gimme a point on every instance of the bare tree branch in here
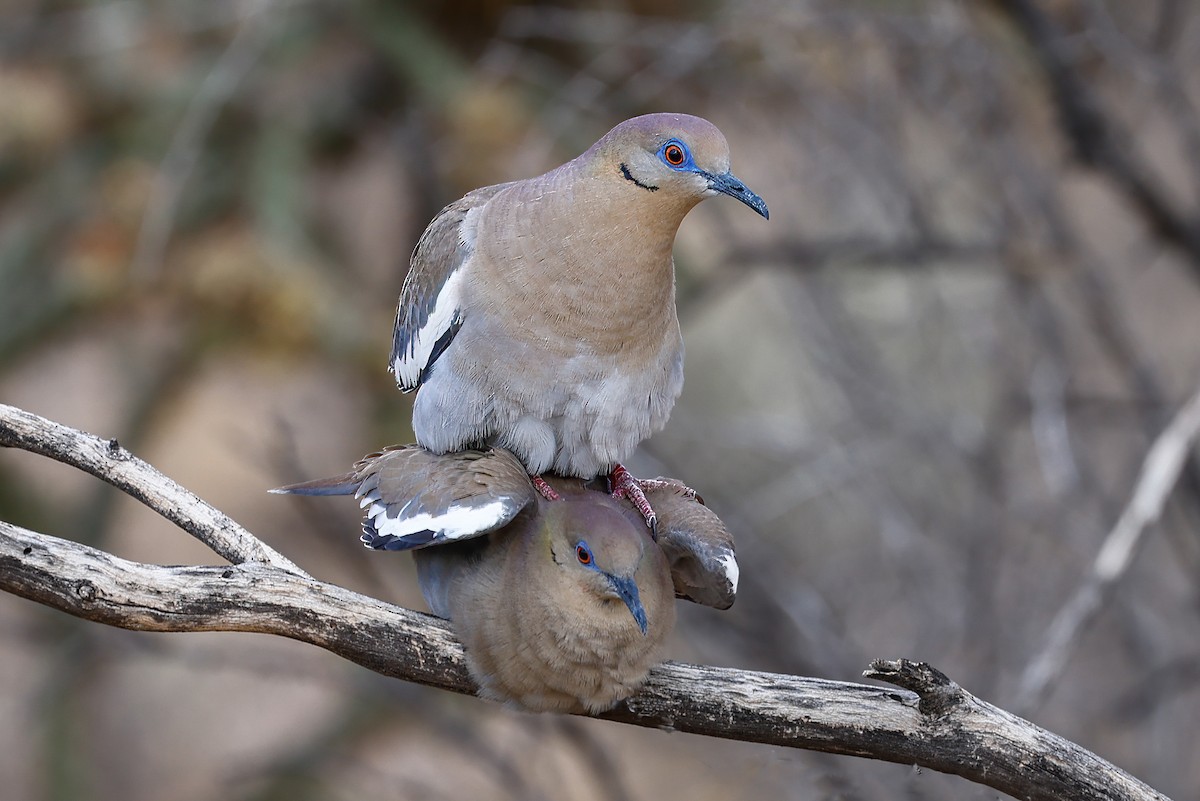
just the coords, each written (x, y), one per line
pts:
(932, 722)
(253, 596)
(1160, 472)
(107, 460)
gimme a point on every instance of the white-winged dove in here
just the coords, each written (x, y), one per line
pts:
(562, 606)
(539, 315)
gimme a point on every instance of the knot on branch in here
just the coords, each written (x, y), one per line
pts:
(937, 694)
(85, 590)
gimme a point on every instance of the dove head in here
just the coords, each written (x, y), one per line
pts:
(615, 574)
(678, 158)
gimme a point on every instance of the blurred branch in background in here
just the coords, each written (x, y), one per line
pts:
(940, 727)
(244, 48)
(1097, 138)
(1159, 474)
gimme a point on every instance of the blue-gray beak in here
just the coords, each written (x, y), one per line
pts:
(627, 591)
(729, 184)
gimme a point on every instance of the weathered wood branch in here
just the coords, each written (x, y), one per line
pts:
(108, 461)
(932, 722)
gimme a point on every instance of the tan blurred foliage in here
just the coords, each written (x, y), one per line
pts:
(919, 395)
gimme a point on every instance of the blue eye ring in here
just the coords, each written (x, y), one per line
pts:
(584, 554)
(675, 155)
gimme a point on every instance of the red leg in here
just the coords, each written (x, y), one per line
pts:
(626, 486)
(544, 489)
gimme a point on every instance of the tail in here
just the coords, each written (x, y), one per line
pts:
(338, 485)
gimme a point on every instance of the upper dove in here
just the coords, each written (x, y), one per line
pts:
(539, 315)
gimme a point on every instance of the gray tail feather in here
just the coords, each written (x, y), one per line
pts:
(338, 485)
(436, 572)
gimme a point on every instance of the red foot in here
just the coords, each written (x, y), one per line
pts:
(544, 489)
(624, 485)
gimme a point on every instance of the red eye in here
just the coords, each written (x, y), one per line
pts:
(583, 554)
(674, 155)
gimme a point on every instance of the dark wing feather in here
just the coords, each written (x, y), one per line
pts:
(428, 315)
(413, 498)
(699, 548)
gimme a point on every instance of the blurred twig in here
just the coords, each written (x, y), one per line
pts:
(1160, 471)
(937, 724)
(1163, 685)
(184, 151)
(1096, 137)
(916, 253)
(1154, 70)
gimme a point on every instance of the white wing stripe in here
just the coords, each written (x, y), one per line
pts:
(456, 523)
(413, 359)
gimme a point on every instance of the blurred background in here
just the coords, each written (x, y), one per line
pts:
(920, 395)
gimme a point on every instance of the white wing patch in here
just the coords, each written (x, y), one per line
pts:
(455, 523)
(409, 364)
(731, 569)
